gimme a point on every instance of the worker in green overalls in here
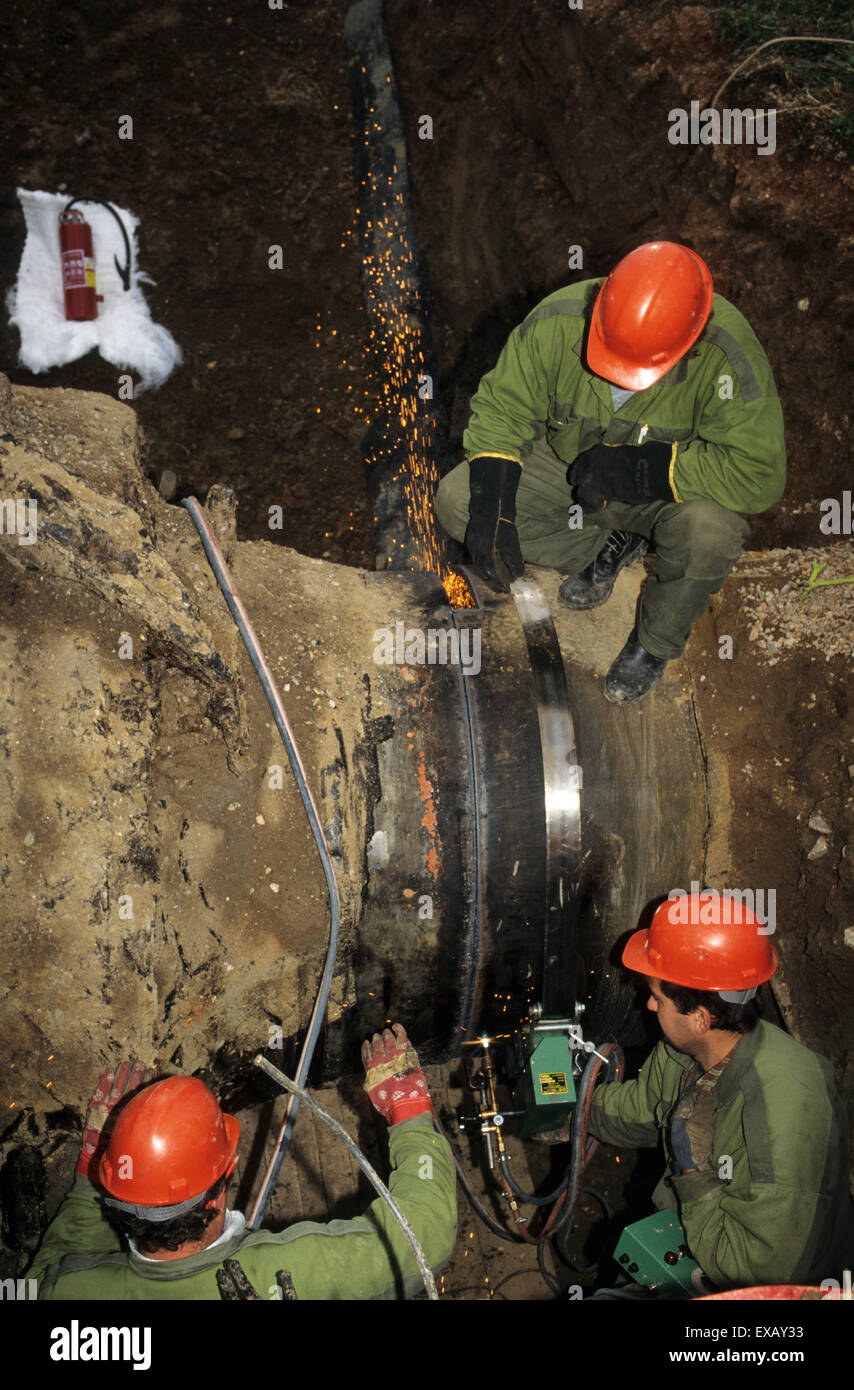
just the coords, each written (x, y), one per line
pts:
(639, 412)
(754, 1130)
(147, 1218)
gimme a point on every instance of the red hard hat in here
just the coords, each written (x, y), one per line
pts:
(704, 941)
(169, 1144)
(649, 312)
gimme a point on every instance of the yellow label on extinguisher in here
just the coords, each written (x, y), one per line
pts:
(90, 274)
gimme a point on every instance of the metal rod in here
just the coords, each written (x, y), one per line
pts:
(562, 804)
(474, 947)
(274, 699)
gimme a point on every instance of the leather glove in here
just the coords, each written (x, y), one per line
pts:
(394, 1081)
(491, 538)
(112, 1087)
(621, 473)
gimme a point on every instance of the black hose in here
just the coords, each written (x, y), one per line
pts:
(582, 1151)
(477, 1206)
(570, 1226)
(565, 1196)
(541, 1262)
(504, 1164)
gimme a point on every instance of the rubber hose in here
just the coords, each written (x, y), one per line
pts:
(371, 1173)
(504, 1164)
(553, 1287)
(476, 1204)
(568, 1194)
(612, 1054)
(570, 1226)
(582, 1151)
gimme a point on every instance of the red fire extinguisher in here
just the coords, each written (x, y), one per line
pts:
(78, 266)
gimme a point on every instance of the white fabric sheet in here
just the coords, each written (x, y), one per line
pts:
(124, 332)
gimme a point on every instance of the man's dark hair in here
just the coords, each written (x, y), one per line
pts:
(151, 1236)
(590, 296)
(731, 1018)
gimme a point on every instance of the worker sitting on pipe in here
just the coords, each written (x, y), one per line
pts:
(156, 1159)
(621, 414)
(754, 1130)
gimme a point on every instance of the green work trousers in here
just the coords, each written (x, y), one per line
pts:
(696, 543)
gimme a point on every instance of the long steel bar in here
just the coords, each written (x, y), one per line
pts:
(562, 787)
(475, 946)
(253, 647)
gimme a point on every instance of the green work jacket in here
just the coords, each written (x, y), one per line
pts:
(775, 1207)
(718, 404)
(82, 1257)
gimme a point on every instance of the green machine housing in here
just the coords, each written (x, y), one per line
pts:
(545, 1090)
(654, 1253)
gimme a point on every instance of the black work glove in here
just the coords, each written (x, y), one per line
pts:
(491, 538)
(621, 473)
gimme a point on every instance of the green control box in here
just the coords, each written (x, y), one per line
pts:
(545, 1090)
(654, 1253)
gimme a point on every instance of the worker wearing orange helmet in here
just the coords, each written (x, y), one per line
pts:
(754, 1130)
(631, 413)
(147, 1217)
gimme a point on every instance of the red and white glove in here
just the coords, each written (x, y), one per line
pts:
(394, 1081)
(112, 1087)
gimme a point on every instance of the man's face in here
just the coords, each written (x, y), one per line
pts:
(679, 1029)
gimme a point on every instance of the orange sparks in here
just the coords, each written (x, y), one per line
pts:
(458, 591)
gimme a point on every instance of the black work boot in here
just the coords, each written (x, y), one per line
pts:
(593, 585)
(633, 674)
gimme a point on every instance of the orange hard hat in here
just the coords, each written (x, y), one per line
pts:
(649, 312)
(706, 941)
(169, 1144)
